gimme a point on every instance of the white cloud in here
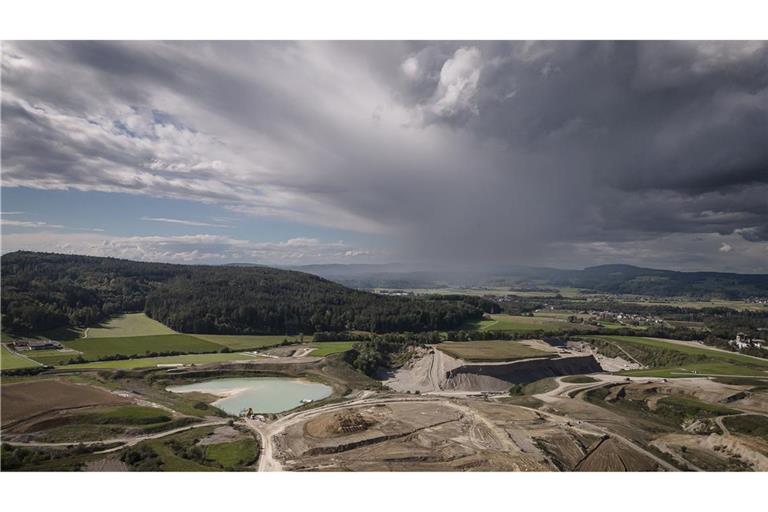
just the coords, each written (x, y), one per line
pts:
(459, 78)
(724, 247)
(200, 248)
(184, 222)
(30, 224)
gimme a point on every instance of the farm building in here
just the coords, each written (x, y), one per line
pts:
(37, 345)
(743, 341)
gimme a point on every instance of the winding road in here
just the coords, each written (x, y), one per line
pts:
(124, 441)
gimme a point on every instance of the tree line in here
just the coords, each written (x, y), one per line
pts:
(45, 291)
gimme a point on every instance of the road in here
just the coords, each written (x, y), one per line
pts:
(125, 441)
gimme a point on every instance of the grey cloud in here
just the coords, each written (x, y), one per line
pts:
(490, 151)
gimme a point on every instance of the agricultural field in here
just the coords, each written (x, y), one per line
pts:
(149, 362)
(683, 359)
(525, 324)
(327, 348)
(128, 325)
(53, 357)
(10, 360)
(738, 305)
(94, 349)
(245, 342)
(488, 351)
(25, 399)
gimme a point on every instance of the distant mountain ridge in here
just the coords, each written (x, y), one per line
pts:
(612, 278)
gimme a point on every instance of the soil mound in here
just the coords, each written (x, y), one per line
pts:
(437, 371)
(338, 424)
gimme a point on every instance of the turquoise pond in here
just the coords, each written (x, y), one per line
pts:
(262, 394)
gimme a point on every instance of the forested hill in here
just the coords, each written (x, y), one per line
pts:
(44, 291)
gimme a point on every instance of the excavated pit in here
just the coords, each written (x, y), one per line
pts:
(432, 370)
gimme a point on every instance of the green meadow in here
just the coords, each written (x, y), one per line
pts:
(94, 349)
(9, 360)
(150, 362)
(695, 361)
(128, 325)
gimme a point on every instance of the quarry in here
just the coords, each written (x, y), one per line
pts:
(527, 405)
(433, 370)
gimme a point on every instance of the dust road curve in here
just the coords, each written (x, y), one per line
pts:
(125, 441)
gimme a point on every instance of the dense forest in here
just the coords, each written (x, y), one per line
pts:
(44, 291)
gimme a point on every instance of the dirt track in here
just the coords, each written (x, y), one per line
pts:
(125, 441)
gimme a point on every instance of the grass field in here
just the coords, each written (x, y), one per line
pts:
(704, 361)
(578, 379)
(233, 454)
(238, 342)
(9, 360)
(701, 304)
(125, 415)
(53, 357)
(93, 349)
(150, 362)
(128, 325)
(751, 424)
(327, 348)
(93, 424)
(173, 462)
(525, 324)
(488, 351)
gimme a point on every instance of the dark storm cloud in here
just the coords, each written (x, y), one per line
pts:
(557, 152)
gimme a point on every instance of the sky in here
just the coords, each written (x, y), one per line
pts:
(564, 154)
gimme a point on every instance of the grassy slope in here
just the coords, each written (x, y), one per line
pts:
(327, 348)
(244, 342)
(751, 424)
(171, 461)
(716, 362)
(233, 454)
(148, 362)
(129, 325)
(525, 324)
(98, 348)
(487, 351)
(12, 361)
